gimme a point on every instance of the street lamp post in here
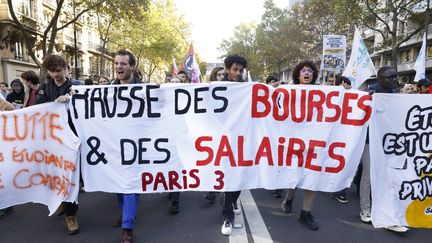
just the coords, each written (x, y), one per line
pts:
(427, 23)
(75, 45)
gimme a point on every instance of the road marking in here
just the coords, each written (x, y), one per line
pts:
(255, 221)
(239, 235)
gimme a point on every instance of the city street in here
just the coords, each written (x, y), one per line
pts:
(200, 221)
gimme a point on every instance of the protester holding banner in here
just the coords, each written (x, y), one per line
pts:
(124, 64)
(387, 82)
(234, 67)
(58, 89)
(6, 106)
(304, 72)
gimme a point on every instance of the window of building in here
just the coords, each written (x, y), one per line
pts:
(19, 50)
(429, 52)
(406, 56)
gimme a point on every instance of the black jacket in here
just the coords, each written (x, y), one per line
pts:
(49, 91)
(14, 97)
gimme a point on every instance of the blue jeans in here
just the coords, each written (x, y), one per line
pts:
(128, 203)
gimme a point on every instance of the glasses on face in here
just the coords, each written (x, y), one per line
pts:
(392, 77)
(304, 71)
(15, 86)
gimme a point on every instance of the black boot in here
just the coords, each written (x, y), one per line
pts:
(287, 205)
(307, 220)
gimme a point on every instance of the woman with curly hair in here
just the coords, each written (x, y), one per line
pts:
(304, 72)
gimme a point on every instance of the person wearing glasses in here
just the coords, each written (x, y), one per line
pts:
(16, 97)
(387, 78)
(304, 73)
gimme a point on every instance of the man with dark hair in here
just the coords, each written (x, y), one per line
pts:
(234, 66)
(124, 65)
(31, 81)
(423, 86)
(386, 83)
(183, 77)
(274, 82)
(58, 89)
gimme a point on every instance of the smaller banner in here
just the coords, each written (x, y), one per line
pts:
(334, 53)
(38, 157)
(360, 66)
(401, 160)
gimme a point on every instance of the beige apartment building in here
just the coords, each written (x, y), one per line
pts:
(35, 15)
(409, 50)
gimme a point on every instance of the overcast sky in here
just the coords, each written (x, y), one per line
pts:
(212, 21)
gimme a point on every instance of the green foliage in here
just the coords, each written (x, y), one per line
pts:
(285, 37)
(155, 38)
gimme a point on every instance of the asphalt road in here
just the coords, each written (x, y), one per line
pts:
(200, 221)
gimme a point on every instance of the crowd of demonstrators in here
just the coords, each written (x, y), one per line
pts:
(304, 73)
(58, 88)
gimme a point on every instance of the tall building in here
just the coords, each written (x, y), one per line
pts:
(35, 16)
(408, 51)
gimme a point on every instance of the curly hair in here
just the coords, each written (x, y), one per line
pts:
(52, 62)
(299, 66)
(234, 58)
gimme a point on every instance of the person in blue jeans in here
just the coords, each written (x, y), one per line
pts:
(124, 65)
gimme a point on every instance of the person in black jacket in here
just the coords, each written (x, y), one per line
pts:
(58, 89)
(234, 67)
(124, 65)
(17, 96)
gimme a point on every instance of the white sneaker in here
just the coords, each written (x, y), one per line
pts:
(365, 216)
(226, 228)
(399, 229)
(236, 210)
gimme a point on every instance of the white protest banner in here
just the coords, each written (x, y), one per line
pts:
(360, 66)
(420, 64)
(222, 136)
(334, 53)
(38, 157)
(401, 160)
